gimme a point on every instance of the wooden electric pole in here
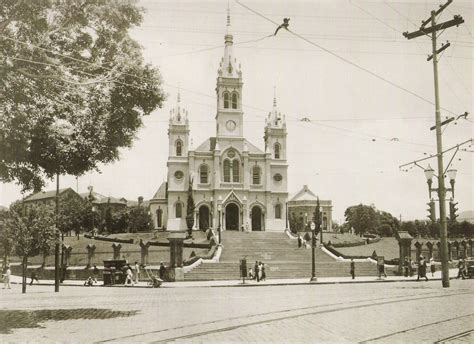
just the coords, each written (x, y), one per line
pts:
(433, 29)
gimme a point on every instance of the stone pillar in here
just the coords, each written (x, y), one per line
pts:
(456, 248)
(464, 249)
(90, 254)
(404, 243)
(67, 254)
(418, 247)
(430, 249)
(144, 252)
(116, 247)
(176, 254)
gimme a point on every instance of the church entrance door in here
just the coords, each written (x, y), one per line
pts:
(203, 217)
(256, 219)
(232, 217)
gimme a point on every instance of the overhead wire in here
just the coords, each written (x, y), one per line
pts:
(200, 93)
(374, 74)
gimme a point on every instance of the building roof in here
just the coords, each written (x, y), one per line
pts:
(43, 195)
(96, 195)
(161, 192)
(305, 194)
(210, 145)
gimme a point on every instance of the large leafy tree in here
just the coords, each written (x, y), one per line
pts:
(33, 231)
(139, 219)
(362, 218)
(6, 239)
(73, 86)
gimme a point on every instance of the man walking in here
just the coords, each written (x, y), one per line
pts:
(352, 268)
(256, 268)
(34, 277)
(137, 272)
(6, 278)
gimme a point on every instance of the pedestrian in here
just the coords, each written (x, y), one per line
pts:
(34, 277)
(405, 267)
(300, 241)
(6, 278)
(162, 271)
(64, 273)
(432, 266)
(137, 272)
(412, 267)
(89, 282)
(251, 275)
(381, 266)
(257, 271)
(353, 268)
(129, 276)
(422, 269)
(461, 265)
(95, 273)
(264, 275)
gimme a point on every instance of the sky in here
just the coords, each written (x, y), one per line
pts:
(366, 91)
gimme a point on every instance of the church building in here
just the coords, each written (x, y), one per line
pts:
(234, 184)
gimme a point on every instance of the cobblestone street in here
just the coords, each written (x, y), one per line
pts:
(381, 312)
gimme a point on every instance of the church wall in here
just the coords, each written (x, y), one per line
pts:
(154, 206)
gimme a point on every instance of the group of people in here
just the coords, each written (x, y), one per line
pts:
(302, 242)
(462, 269)
(258, 272)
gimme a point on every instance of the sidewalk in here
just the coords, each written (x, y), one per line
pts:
(252, 283)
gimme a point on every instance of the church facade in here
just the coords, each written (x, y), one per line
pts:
(234, 184)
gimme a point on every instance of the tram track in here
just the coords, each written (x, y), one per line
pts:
(279, 315)
(454, 337)
(422, 326)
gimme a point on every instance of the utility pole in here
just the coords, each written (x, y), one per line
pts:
(439, 144)
(56, 246)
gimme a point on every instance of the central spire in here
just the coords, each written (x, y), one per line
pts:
(228, 66)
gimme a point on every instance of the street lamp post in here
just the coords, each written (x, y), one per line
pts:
(441, 190)
(219, 209)
(313, 247)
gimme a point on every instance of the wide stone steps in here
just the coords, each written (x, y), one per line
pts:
(282, 258)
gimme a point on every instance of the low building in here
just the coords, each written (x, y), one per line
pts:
(49, 197)
(302, 205)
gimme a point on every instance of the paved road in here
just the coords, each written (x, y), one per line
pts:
(381, 312)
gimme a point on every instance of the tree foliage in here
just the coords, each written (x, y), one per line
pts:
(139, 219)
(367, 219)
(190, 208)
(33, 232)
(74, 86)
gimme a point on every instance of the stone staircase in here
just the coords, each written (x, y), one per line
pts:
(281, 255)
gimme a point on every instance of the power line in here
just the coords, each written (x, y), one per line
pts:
(349, 61)
(200, 93)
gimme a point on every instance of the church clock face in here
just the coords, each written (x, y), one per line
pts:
(230, 125)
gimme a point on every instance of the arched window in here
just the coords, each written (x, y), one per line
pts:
(203, 174)
(226, 100)
(276, 149)
(235, 171)
(159, 218)
(235, 97)
(256, 175)
(178, 210)
(179, 148)
(278, 211)
(227, 171)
